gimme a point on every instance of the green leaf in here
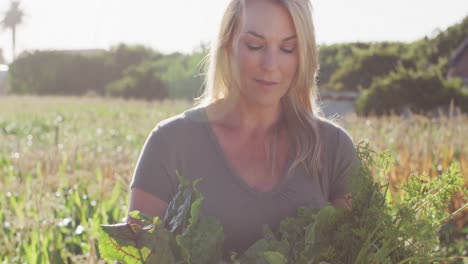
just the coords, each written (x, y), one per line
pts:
(178, 210)
(255, 254)
(143, 218)
(294, 230)
(202, 240)
(157, 241)
(129, 243)
(273, 257)
(118, 242)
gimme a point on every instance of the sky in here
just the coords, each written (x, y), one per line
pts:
(181, 25)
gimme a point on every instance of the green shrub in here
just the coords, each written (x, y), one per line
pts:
(360, 70)
(54, 72)
(332, 56)
(139, 81)
(418, 91)
(182, 74)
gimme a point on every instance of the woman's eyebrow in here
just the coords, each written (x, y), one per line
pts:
(251, 32)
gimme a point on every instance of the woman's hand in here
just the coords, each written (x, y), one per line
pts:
(343, 202)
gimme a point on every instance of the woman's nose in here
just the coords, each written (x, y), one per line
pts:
(269, 60)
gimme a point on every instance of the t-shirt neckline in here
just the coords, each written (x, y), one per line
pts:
(277, 189)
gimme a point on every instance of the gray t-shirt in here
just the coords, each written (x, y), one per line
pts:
(187, 143)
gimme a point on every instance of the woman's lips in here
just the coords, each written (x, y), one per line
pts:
(266, 83)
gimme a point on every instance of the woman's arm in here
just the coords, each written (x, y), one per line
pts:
(145, 203)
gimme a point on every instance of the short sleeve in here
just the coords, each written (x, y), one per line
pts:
(155, 172)
(344, 161)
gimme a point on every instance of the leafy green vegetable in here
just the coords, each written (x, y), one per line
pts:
(130, 243)
(178, 210)
(262, 252)
(202, 240)
(187, 236)
(375, 230)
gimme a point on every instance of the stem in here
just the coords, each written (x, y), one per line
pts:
(385, 193)
(456, 212)
(367, 245)
(56, 135)
(141, 256)
(429, 259)
(428, 199)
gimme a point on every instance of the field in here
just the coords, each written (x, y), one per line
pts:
(66, 163)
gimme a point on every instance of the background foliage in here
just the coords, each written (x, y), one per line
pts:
(413, 73)
(66, 164)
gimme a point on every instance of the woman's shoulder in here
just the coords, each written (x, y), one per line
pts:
(336, 141)
(331, 131)
(182, 123)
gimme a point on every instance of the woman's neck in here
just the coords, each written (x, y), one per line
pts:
(246, 118)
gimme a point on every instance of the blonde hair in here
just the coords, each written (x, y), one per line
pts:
(301, 112)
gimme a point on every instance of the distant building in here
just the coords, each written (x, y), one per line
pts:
(458, 65)
(337, 104)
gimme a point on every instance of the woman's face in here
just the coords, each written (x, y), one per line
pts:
(265, 51)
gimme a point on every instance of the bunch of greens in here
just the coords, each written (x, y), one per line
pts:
(375, 230)
(185, 235)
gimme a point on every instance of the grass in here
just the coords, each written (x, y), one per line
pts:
(66, 163)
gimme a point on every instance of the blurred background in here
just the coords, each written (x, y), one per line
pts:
(82, 83)
(167, 27)
(152, 49)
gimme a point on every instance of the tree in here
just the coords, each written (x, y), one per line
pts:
(414, 90)
(2, 60)
(362, 66)
(13, 17)
(140, 81)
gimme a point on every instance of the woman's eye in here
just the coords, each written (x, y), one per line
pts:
(253, 47)
(288, 50)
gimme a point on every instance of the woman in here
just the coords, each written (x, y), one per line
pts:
(255, 137)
